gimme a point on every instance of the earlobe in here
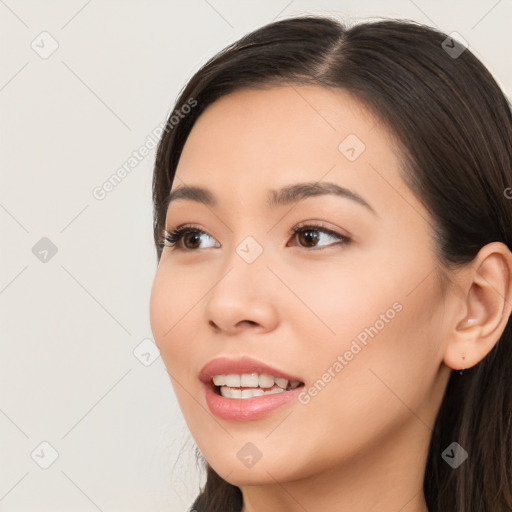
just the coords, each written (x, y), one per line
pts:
(486, 302)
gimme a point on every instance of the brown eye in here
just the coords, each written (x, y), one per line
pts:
(192, 239)
(310, 235)
(190, 236)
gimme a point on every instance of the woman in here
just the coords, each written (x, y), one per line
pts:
(333, 226)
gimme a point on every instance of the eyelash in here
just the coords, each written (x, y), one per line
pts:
(174, 237)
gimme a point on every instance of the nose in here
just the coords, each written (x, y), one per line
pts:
(243, 298)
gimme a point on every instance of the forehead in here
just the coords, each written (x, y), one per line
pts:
(288, 120)
(252, 141)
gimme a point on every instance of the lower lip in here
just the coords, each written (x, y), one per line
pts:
(247, 409)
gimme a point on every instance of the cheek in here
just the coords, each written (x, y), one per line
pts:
(391, 343)
(160, 307)
(374, 394)
(171, 300)
(385, 328)
(336, 300)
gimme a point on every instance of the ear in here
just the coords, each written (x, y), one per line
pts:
(484, 309)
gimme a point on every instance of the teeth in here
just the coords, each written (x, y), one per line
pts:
(233, 381)
(219, 380)
(250, 380)
(254, 385)
(266, 381)
(282, 383)
(249, 393)
(235, 393)
(228, 392)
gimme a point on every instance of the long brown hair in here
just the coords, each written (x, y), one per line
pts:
(454, 128)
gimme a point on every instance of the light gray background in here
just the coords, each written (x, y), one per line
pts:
(71, 326)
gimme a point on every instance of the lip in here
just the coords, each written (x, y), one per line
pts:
(246, 409)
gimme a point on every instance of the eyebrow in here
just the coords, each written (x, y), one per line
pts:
(283, 196)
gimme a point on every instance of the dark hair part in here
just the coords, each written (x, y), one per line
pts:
(453, 130)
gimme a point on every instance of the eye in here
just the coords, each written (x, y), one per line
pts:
(309, 236)
(187, 233)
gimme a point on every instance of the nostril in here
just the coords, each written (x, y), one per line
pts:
(251, 322)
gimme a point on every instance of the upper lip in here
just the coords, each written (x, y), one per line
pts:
(239, 366)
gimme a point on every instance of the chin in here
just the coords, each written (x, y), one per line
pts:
(264, 472)
(252, 476)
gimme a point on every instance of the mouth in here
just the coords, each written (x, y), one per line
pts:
(244, 389)
(250, 385)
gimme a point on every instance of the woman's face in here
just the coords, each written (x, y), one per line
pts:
(350, 306)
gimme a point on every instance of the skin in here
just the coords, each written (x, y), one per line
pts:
(361, 443)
